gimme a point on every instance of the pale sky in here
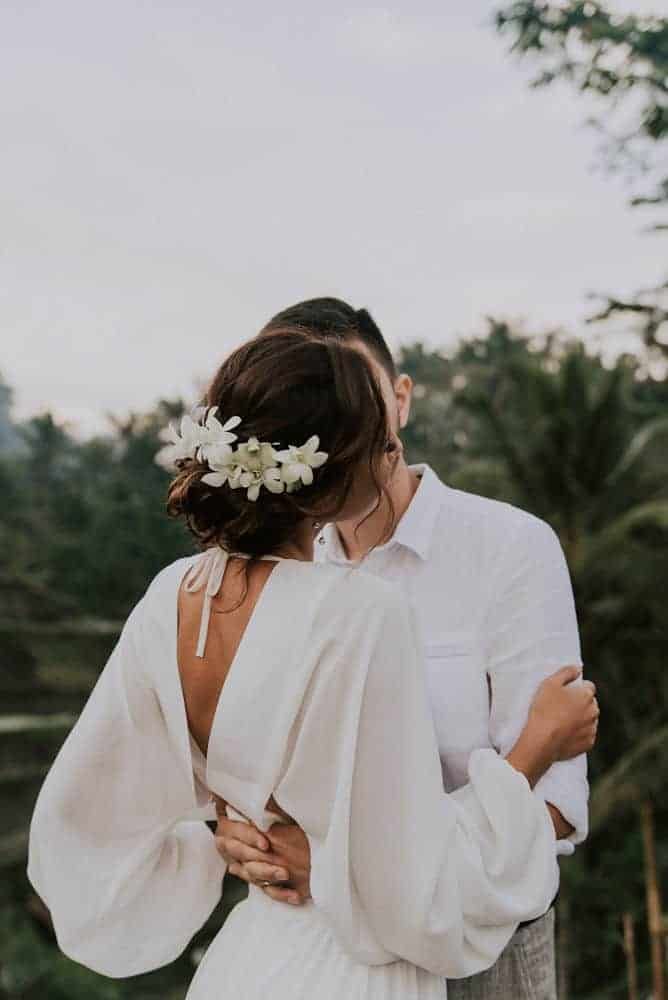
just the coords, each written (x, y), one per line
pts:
(172, 174)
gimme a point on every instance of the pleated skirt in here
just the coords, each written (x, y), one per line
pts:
(268, 950)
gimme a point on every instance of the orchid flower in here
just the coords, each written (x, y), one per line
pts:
(297, 464)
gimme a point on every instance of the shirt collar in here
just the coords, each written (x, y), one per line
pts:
(415, 530)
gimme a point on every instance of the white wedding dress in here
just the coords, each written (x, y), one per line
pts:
(325, 708)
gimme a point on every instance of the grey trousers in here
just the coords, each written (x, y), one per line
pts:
(525, 970)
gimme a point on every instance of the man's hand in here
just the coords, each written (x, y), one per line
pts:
(281, 856)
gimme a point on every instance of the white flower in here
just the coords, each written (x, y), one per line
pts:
(272, 480)
(297, 464)
(257, 467)
(216, 438)
(222, 463)
(183, 445)
(255, 456)
(250, 466)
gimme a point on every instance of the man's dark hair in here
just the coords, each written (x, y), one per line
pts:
(329, 317)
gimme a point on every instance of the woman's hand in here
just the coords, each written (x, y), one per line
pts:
(568, 712)
(562, 723)
(281, 856)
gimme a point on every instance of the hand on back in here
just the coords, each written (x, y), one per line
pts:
(280, 857)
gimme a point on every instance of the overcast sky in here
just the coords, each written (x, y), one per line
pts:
(172, 174)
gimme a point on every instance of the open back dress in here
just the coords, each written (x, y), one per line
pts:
(324, 708)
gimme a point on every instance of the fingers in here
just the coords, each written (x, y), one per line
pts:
(236, 850)
(594, 712)
(588, 736)
(565, 675)
(283, 895)
(239, 870)
(258, 872)
(246, 833)
(253, 874)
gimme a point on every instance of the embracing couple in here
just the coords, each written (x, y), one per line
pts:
(370, 679)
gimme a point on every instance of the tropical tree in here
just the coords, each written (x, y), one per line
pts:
(621, 61)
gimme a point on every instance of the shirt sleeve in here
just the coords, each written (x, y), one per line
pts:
(401, 869)
(532, 631)
(118, 850)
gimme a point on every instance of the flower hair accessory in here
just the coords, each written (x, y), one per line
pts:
(250, 465)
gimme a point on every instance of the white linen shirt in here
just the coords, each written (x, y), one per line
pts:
(490, 589)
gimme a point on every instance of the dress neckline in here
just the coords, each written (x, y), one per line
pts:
(209, 572)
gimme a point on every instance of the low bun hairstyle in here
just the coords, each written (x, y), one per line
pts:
(286, 387)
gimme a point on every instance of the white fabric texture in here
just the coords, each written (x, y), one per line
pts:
(490, 589)
(325, 707)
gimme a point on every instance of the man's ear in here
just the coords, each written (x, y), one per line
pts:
(403, 390)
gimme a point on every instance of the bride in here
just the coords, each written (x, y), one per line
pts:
(294, 691)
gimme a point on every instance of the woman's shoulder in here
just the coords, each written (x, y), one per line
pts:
(160, 591)
(163, 582)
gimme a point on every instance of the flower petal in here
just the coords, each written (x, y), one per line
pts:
(215, 478)
(272, 480)
(231, 423)
(168, 434)
(165, 457)
(253, 491)
(307, 475)
(291, 472)
(217, 455)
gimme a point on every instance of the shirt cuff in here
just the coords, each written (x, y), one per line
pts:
(571, 799)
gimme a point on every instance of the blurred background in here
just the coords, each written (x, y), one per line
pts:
(491, 181)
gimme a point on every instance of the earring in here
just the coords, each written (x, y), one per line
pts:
(317, 525)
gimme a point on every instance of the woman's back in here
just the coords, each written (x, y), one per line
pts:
(321, 703)
(202, 678)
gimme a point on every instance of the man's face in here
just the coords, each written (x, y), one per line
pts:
(363, 497)
(387, 388)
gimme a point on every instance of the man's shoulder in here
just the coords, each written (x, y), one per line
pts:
(498, 515)
(499, 525)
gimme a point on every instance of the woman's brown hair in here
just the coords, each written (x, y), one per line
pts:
(286, 387)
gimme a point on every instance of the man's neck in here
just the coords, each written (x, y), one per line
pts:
(402, 489)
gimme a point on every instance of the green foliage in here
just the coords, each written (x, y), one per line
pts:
(86, 523)
(622, 61)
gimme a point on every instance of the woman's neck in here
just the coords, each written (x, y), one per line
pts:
(300, 545)
(373, 531)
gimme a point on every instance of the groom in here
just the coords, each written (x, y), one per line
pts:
(491, 591)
